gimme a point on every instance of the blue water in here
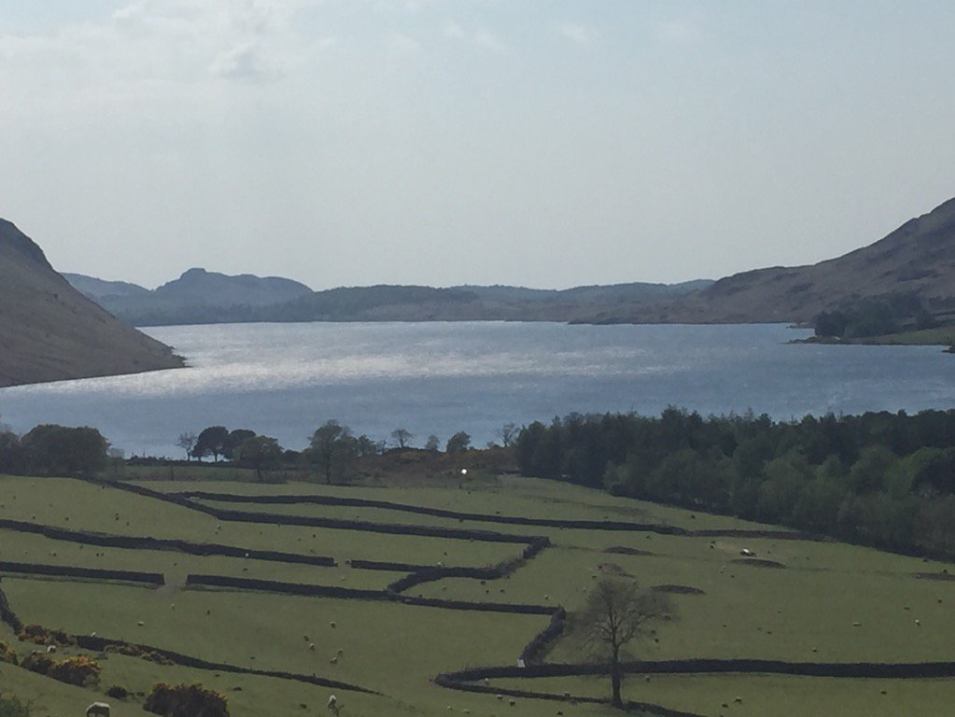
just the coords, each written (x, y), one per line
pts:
(284, 380)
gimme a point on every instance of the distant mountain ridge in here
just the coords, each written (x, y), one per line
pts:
(200, 297)
(49, 331)
(916, 260)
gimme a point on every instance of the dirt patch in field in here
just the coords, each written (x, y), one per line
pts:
(613, 569)
(759, 563)
(678, 590)
(622, 550)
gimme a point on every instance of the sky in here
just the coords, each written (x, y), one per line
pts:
(544, 143)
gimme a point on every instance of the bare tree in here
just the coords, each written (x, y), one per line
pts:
(616, 613)
(187, 441)
(402, 437)
(508, 433)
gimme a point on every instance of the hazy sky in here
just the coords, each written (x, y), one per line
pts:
(546, 143)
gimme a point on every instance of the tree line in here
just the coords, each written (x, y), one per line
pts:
(332, 452)
(880, 479)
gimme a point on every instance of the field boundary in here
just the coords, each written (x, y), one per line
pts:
(603, 525)
(108, 540)
(239, 516)
(69, 571)
(841, 670)
(194, 581)
(7, 615)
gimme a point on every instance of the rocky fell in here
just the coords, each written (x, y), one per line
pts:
(49, 331)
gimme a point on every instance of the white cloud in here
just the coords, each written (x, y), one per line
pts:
(580, 34)
(679, 32)
(452, 29)
(403, 44)
(489, 41)
(165, 40)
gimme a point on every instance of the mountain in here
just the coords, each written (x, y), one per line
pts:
(196, 297)
(49, 331)
(204, 297)
(916, 261)
(201, 287)
(97, 289)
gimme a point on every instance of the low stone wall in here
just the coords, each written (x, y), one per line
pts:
(99, 644)
(7, 615)
(610, 525)
(535, 650)
(130, 542)
(275, 586)
(131, 576)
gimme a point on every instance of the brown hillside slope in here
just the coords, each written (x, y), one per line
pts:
(918, 258)
(49, 331)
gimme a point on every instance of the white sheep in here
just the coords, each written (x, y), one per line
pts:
(98, 708)
(333, 705)
(51, 649)
(311, 646)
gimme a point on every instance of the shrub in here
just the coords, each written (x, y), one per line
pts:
(185, 701)
(78, 670)
(135, 651)
(117, 692)
(44, 636)
(7, 654)
(12, 707)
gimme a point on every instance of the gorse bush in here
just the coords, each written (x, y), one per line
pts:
(79, 670)
(8, 654)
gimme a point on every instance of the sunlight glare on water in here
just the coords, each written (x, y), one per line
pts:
(285, 380)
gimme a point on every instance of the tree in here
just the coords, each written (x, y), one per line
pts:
(402, 437)
(508, 433)
(187, 442)
(432, 443)
(260, 453)
(211, 440)
(235, 439)
(617, 613)
(458, 443)
(365, 446)
(56, 450)
(333, 449)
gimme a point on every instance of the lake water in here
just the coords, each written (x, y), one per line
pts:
(284, 380)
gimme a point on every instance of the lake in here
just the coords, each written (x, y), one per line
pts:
(284, 380)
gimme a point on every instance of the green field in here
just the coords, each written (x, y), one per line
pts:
(828, 602)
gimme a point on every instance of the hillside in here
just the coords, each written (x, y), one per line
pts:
(50, 332)
(916, 260)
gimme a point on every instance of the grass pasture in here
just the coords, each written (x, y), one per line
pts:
(817, 602)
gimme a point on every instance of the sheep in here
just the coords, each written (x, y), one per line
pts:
(746, 552)
(311, 646)
(333, 624)
(98, 708)
(51, 649)
(333, 705)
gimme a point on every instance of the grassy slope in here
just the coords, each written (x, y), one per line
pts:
(746, 611)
